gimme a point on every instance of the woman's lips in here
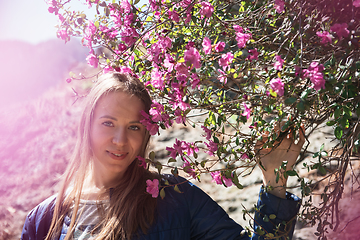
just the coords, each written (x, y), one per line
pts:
(117, 155)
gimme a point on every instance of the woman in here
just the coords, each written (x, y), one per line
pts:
(103, 192)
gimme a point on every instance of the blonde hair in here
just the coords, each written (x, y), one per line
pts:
(131, 208)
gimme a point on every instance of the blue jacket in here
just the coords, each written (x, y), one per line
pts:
(191, 214)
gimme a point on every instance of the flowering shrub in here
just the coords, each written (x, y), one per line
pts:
(241, 63)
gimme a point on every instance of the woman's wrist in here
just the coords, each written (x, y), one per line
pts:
(277, 188)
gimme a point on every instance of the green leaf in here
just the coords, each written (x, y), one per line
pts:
(272, 216)
(152, 155)
(301, 106)
(171, 160)
(330, 123)
(162, 193)
(266, 218)
(291, 173)
(176, 188)
(290, 100)
(322, 170)
(338, 132)
(175, 172)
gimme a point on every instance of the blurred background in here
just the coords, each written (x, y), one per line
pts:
(39, 115)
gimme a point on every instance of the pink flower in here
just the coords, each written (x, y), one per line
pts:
(340, 30)
(177, 148)
(63, 35)
(237, 28)
(206, 45)
(253, 54)
(277, 86)
(108, 69)
(219, 47)
(152, 187)
(314, 72)
(142, 161)
(190, 148)
(219, 179)
(247, 111)
(157, 79)
(195, 81)
(325, 37)
(152, 127)
(222, 77)
(212, 148)
(187, 168)
(279, 63)
(92, 60)
(356, 3)
(192, 57)
(174, 16)
(279, 6)
(207, 9)
(242, 38)
(225, 60)
(207, 132)
(180, 119)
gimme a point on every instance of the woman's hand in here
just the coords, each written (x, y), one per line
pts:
(285, 150)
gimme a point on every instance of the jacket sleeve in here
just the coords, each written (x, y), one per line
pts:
(210, 221)
(37, 222)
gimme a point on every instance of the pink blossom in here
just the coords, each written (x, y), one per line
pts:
(225, 60)
(212, 148)
(219, 179)
(278, 65)
(325, 37)
(242, 38)
(157, 79)
(108, 69)
(169, 62)
(279, 6)
(180, 119)
(63, 35)
(340, 30)
(177, 148)
(277, 86)
(190, 148)
(195, 81)
(152, 187)
(247, 111)
(122, 47)
(92, 60)
(206, 45)
(207, 9)
(314, 72)
(188, 169)
(237, 28)
(192, 57)
(219, 47)
(156, 111)
(207, 132)
(173, 15)
(152, 127)
(253, 54)
(356, 3)
(222, 77)
(142, 161)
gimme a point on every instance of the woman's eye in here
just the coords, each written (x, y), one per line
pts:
(134, 128)
(108, 124)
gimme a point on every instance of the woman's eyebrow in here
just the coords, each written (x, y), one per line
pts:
(108, 116)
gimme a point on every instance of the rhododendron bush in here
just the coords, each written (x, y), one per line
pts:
(246, 65)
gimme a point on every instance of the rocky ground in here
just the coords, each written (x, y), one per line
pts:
(37, 136)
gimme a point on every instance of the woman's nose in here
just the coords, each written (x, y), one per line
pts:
(120, 137)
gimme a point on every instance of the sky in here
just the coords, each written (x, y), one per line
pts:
(29, 20)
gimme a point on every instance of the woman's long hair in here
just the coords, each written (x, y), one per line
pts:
(131, 208)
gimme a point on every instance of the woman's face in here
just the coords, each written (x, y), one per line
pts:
(116, 134)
